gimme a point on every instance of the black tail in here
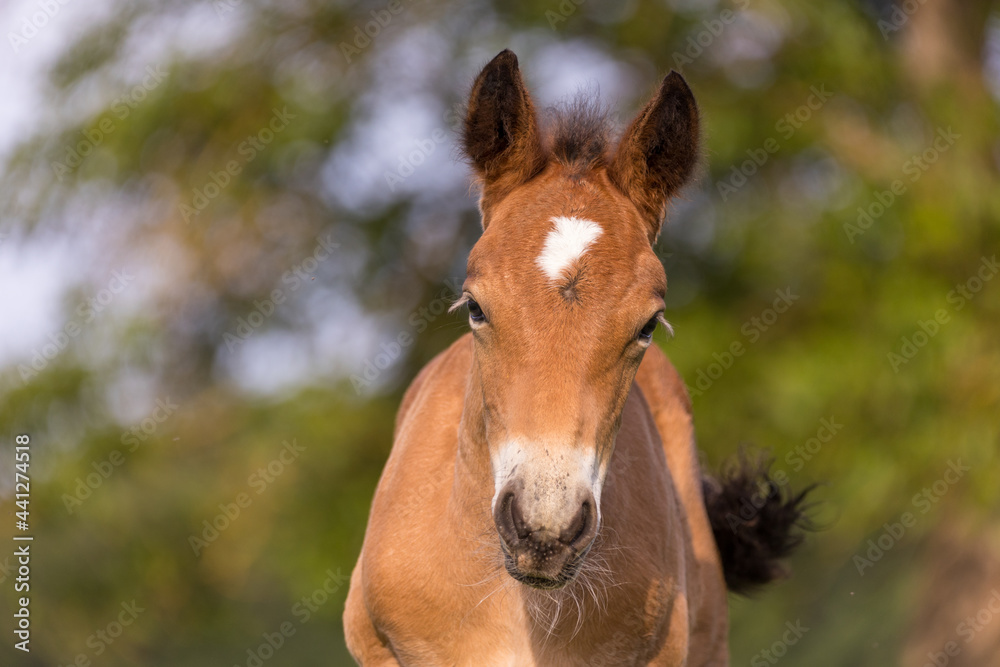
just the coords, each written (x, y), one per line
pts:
(756, 521)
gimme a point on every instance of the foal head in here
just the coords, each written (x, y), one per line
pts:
(563, 293)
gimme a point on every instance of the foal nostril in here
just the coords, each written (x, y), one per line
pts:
(510, 521)
(521, 537)
(581, 530)
(517, 519)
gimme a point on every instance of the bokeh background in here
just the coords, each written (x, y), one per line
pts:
(229, 230)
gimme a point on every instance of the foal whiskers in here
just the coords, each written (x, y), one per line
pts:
(583, 598)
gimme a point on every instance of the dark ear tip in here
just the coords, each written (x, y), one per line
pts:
(505, 57)
(674, 81)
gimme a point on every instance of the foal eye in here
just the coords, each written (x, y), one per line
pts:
(475, 312)
(646, 334)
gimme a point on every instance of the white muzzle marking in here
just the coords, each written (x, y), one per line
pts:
(549, 476)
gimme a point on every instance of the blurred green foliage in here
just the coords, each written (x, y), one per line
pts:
(812, 111)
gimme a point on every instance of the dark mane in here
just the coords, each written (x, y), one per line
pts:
(581, 131)
(507, 146)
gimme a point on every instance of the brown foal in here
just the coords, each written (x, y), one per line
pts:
(543, 502)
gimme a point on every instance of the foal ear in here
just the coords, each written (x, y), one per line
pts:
(501, 135)
(659, 151)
